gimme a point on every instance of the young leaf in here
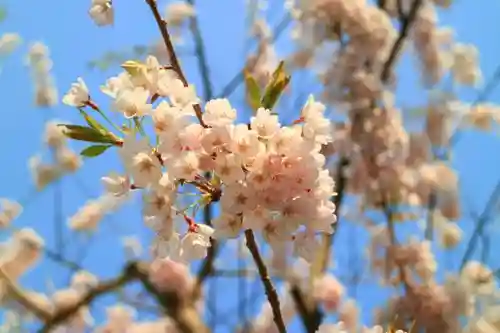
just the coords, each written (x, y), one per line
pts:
(252, 91)
(93, 151)
(275, 87)
(134, 67)
(88, 134)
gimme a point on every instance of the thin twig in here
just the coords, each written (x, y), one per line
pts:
(174, 61)
(101, 289)
(183, 314)
(480, 225)
(406, 23)
(272, 295)
(311, 316)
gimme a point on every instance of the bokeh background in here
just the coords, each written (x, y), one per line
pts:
(78, 48)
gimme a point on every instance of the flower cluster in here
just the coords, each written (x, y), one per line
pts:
(270, 178)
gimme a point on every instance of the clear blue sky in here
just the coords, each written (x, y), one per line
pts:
(74, 40)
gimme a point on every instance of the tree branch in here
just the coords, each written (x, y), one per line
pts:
(272, 295)
(181, 311)
(63, 314)
(406, 23)
(174, 61)
(311, 316)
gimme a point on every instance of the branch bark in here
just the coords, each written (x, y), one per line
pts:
(180, 310)
(406, 23)
(272, 295)
(174, 61)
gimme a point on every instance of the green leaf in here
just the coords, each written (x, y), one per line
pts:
(275, 87)
(252, 91)
(92, 122)
(93, 151)
(88, 134)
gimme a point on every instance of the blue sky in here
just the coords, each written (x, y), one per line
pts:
(74, 40)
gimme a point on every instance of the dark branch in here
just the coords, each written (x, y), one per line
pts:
(272, 295)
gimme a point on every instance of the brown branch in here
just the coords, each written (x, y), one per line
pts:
(272, 295)
(406, 23)
(63, 314)
(310, 313)
(174, 61)
(183, 314)
(431, 207)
